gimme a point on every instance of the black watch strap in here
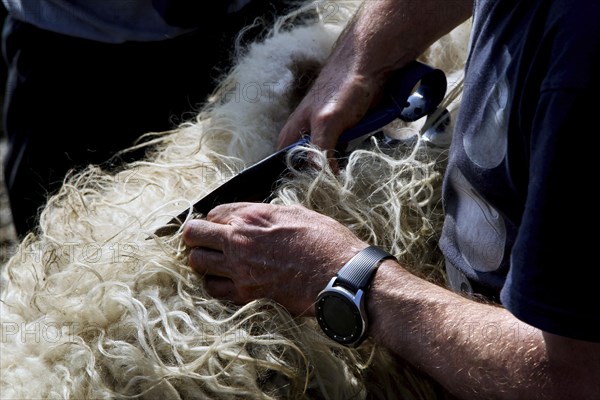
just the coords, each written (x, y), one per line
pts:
(358, 272)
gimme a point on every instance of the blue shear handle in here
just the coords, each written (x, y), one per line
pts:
(403, 100)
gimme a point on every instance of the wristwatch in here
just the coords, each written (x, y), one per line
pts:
(340, 307)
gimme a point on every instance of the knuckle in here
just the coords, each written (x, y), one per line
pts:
(323, 117)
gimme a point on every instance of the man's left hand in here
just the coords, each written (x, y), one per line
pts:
(247, 251)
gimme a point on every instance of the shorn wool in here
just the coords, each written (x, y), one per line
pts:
(91, 308)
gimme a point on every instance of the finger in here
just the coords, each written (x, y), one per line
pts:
(325, 141)
(327, 128)
(224, 213)
(209, 262)
(203, 233)
(295, 127)
(290, 136)
(240, 214)
(220, 288)
(328, 143)
(333, 164)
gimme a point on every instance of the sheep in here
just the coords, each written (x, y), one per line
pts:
(91, 308)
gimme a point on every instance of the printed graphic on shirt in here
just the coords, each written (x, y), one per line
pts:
(457, 281)
(486, 148)
(480, 229)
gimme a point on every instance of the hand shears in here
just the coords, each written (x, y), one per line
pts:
(413, 92)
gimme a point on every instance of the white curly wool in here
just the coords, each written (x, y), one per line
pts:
(92, 309)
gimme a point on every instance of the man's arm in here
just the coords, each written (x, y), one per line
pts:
(247, 251)
(477, 350)
(383, 37)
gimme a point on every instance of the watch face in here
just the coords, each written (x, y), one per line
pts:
(339, 317)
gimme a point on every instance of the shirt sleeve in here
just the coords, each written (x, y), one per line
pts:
(554, 276)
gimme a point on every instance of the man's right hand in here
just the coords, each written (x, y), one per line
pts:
(384, 36)
(337, 101)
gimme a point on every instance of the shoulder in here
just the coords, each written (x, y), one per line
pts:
(571, 43)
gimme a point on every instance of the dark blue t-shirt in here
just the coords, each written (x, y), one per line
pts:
(518, 190)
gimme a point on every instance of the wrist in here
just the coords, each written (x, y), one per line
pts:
(340, 307)
(398, 304)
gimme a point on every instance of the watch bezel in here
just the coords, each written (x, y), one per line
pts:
(355, 303)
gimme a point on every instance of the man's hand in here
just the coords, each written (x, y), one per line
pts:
(247, 251)
(337, 100)
(384, 36)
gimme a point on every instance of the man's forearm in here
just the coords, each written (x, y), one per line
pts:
(475, 350)
(387, 34)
